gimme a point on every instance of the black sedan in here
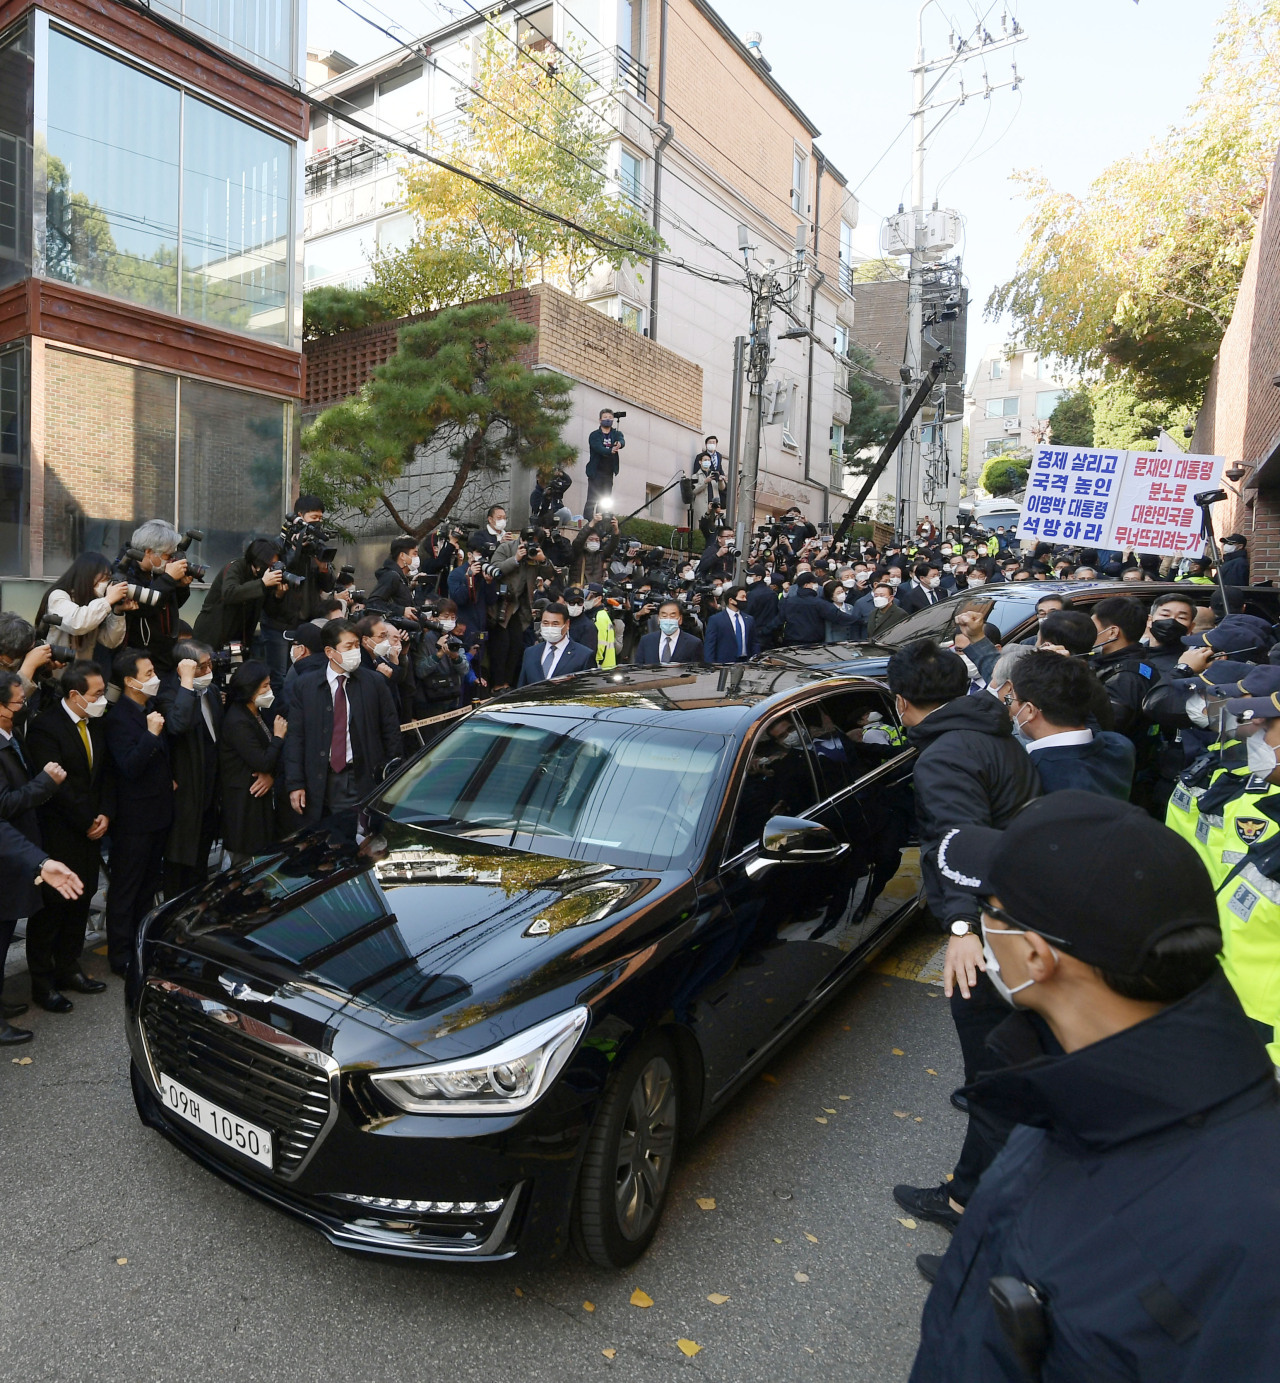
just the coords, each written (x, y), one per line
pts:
(579, 921)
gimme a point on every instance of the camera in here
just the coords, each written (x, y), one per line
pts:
(195, 570)
(454, 644)
(60, 653)
(347, 573)
(290, 578)
(226, 660)
(308, 539)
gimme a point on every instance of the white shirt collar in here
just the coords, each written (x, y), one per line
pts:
(1061, 740)
(75, 719)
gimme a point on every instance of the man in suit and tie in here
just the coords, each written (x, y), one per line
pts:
(72, 822)
(924, 589)
(555, 654)
(731, 633)
(670, 644)
(192, 710)
(343, 731)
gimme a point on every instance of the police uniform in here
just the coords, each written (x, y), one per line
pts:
(1249, 914)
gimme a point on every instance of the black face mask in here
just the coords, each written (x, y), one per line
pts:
(1167, 631)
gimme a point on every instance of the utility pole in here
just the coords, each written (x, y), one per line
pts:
(925, 236)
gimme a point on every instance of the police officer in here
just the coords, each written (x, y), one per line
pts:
(606, 645)
(582, 624)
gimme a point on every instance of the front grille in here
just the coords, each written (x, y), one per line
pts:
(205, 1046)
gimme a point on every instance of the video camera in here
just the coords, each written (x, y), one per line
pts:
(290, 578)
(196, 570)
(224, 661)
(59, 653)
(302, 539)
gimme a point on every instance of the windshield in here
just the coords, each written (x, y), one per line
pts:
(632, 795)
(938, 621)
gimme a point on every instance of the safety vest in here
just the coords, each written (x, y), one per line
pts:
(1197, 580)
(993, 546)
(1249, 915)
(1182, 816)
(606, 651)
(1210, 837)
(1243, 825)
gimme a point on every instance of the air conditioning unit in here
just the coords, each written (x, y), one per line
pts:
(1013, 424)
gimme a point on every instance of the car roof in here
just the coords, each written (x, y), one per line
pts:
(723, 699)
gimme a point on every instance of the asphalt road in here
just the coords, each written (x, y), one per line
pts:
(804, 1240)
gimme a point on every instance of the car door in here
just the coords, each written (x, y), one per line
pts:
(774, 907)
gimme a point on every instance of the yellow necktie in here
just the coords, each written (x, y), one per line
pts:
(83, 726)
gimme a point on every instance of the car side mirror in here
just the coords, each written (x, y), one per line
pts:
(391, 768)
(794, 840)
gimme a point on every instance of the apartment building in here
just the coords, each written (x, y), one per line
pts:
(1011, 396)
(150, 274)
(705, 139)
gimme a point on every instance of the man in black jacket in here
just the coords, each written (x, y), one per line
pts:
(603, 446)
(153, 624)
(192, 710)
(1235, 560)
(393, 589)
(139, 754)
(1129, 1226)
(234, 602)
(923, 590)
(72, 822)
(763, 606)
(970, 770)
(343, 730)
(807, 614)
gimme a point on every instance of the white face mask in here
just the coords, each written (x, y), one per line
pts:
(1197, 711)
(415, 566)
(100, 589)
(202, 683)
(838, 597)
(933, 582)
(552, 633)
(264, 699)
(1262, 756)
(879, 601)
(593, 547)
(447, 622)
(895, 581)
(498, 525)
(382, 649)
(993, 968)
(977, 581)
(350, 659)
(715, 590)
(574, 610)
(687, 575)
(94, 709)
(149, 687)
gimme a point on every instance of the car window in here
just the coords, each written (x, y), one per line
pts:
(851, 735)
(778, 782)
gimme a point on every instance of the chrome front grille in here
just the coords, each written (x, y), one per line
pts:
(255, 1070)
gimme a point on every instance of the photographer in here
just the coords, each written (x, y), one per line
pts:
(234, 602)
(192, 710)
(604, 444)
(795, 528)
(442, 670)
(393, 589)
(380, 652)
(717, 560)
(546, 502)
(153, 562)
(486, 539)
(87, 605)
(305, 552)
(20, 653)
(474, 592)
(711, 522)
(520, 561)
(592, 547)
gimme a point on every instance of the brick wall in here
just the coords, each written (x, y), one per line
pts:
(573, 339)
(1240, 418)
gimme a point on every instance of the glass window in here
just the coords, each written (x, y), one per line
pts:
(997, 446)
(1047, 400)
(778, 782)
(231, 452)
(797, 182)
(112, 201)
(235, 233)
(404, 101)
(851, 734)
(110, 452)
(346, 253)
(1002, 408)
(846, 257)
(631, 317)
(256, 29)
(631, 178)
(841, 341)
(15, 497)
(999, 369)
(16, 85)
(397, 232)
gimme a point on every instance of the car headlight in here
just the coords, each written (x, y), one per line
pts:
(503, 1080)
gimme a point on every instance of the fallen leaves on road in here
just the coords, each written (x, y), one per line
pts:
(718, 1298)
(122, 1261)
(777, 1241)
(846, 1097)
(519, 1293)
(906, 1224)
(899, 1113)
(802, 1277)
(818, 1119)
(22, 1061)
(825, 1110)
(609, 1353)
(773, 1080)
(588, 1306)
(897, 1051)
(812, 1238)
(951, 1176)
(918, 1120)
(688, 1348)
(642, 1299)
(706, 1202)
(930, 1071)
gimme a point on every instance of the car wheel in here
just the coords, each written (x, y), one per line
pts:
(630, 1153)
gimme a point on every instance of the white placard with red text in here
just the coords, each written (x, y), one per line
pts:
(1113, 499)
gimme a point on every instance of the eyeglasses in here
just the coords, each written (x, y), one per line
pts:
(1010, 921)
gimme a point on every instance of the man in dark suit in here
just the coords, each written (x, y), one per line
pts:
(72, 822)
(731, 633)
(192, 710)
(555, 654)
(924, 589)
(343, 730)
(139, 752)
(604, 444)
(670, 644)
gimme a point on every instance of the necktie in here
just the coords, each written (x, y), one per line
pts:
(17, 749)
(548, 659)
(83, 727)
(666, 649)
(338, 744)
(737, 629)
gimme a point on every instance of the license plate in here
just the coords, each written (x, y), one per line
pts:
(229, 1129)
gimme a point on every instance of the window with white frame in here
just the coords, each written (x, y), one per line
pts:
(631, 177)
(846, 256)
(1002, 408)
(837, 441)
(999, 368)
(1047, 400)
(841, 340)
(799, 171)
(998, 446)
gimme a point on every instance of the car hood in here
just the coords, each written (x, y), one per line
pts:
(416, 932)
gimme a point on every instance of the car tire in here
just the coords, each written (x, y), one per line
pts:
(626, 1170)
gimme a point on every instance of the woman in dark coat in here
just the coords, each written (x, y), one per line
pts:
(250, 750)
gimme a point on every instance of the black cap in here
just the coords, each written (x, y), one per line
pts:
(1096, 876)
(309, 636)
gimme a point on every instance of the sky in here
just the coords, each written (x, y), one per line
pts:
(1101, 79)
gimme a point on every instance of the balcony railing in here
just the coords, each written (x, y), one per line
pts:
(349, 161)
(609, 65)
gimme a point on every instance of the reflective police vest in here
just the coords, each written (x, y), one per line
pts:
(606, 650)
(1245, 824)
(1183, 812)
(1227, 787)
(1249, 915)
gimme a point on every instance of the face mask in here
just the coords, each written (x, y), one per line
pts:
(879, 601)
(1018, 732)
(993, 968)
(668, 626)
(860, 577)
(202, 683)
(382, 648)
(552, 633)
(94, 709)
(977, 581)
(946, 552)
(264, 699)
(838, 597)
(687, 575)
(933, 582)
(1167, 631)
(1197, 711)
(350, 659)
(448, 623)
(575, 610)
(149, 687)
(100, 589)
(895, 581)
(593, 547)
(414, 566)
(499, 525)
(1262, 756)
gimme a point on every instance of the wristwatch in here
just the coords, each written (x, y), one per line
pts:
(961, 928)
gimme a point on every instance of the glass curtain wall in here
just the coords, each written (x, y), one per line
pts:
(15, 495)
(260, 30)
(17, 72)
(143, 178)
